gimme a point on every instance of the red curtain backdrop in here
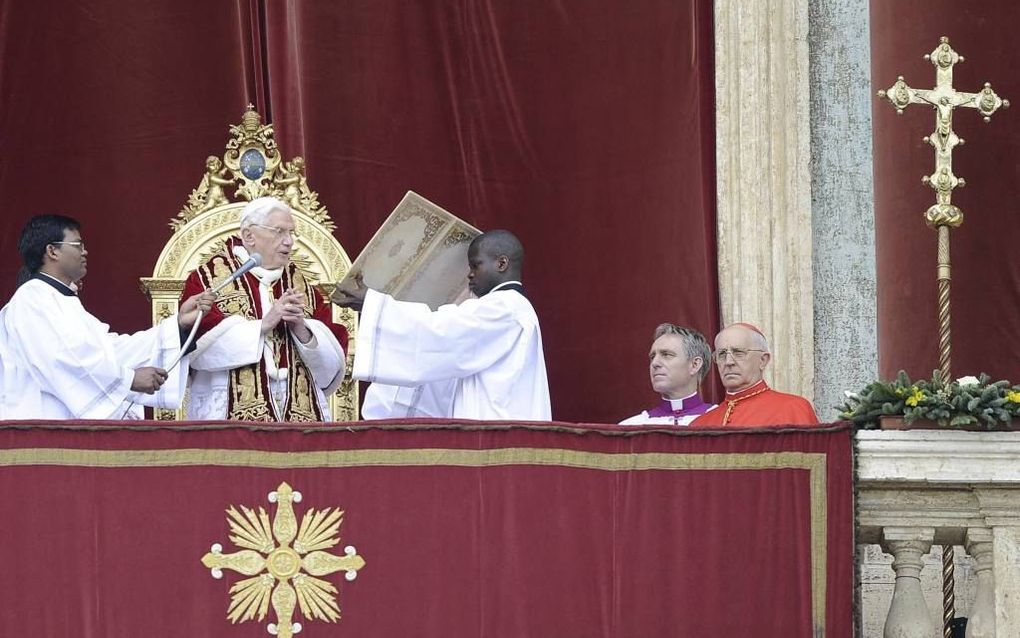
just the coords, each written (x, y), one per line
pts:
(107, 112)
(986, 270)
(587, 129)
(465, 531)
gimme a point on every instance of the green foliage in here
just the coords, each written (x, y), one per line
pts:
(965, 402)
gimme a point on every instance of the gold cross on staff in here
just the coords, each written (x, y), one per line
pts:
(943, 215)
(944, 99)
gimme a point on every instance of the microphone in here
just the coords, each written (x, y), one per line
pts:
(254, 260)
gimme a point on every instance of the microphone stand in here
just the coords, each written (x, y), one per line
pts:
(194, 328)
(254, 260)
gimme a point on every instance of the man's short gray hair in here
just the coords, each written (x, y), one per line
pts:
(257, 211)
(695, 345)
(757, 336)
(760, 340)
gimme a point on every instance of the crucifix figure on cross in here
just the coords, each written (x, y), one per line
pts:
(944, 99)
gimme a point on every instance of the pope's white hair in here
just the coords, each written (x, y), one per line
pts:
(257, 211)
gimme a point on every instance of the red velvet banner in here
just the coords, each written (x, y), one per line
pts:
(464, 530)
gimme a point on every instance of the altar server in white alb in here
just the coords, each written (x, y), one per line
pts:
(481, 359)
(57, 361)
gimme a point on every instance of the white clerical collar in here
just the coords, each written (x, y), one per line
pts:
(72, 290)
(506, 284)
(678, 404)
(265, 276)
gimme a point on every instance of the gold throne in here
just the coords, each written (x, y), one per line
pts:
(252, 167)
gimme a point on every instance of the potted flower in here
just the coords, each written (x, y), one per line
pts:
(972, 403)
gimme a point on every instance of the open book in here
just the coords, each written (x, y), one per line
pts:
(418, 254)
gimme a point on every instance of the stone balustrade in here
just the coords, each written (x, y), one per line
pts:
(923, 488)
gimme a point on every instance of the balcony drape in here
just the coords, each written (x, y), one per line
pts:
(467, 529)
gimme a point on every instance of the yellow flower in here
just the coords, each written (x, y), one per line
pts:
(915, 397)
(1013, 396)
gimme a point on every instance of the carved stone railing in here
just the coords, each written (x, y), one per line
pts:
(921, 488)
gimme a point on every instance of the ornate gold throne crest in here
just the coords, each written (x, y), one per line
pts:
(252, 167)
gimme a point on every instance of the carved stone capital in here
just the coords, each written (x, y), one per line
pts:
(978, 543)
(907, 545)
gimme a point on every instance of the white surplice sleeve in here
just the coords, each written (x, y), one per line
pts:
(232, 343)
(407, 344)
(398, 402)
(158, 347)
(64, 353)
(323, 356)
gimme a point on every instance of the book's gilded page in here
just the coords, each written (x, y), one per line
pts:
(418, 254)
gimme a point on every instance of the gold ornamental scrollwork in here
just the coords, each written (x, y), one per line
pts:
(283, 561)
(250, 167)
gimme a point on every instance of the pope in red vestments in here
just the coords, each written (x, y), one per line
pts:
(271, 351)
(741, 355)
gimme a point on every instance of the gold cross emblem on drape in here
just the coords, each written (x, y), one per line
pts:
(283, 561)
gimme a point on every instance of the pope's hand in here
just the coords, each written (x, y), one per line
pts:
(188, 313)
(290, 309)
(148, 380)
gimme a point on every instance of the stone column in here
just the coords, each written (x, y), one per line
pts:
(981, 619)
(842, 206)
(764, 181)
(1006, 576)
(1001, 509)
(908, 616)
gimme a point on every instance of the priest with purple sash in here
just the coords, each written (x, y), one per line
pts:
(678, 362)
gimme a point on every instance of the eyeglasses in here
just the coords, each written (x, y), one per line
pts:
(80, 244)
(279, 233)
(739, 354)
